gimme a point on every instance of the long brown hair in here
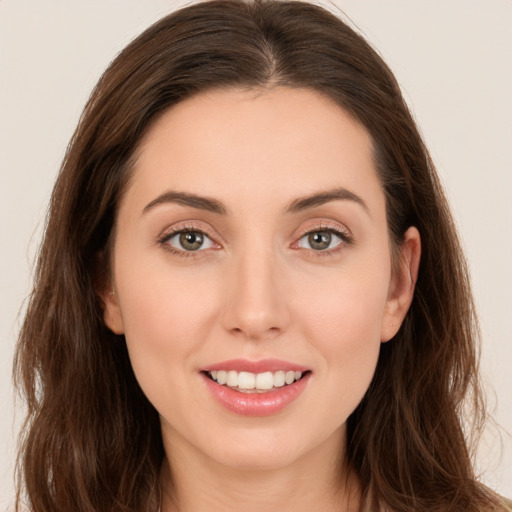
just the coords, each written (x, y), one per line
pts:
(92, 440)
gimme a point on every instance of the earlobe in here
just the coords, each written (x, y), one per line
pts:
(402, 285)
(109, 300)
(112, 312)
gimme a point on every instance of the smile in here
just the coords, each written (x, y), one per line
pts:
(258, 388)
(247, 382)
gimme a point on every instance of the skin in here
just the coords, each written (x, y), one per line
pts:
(257, 290)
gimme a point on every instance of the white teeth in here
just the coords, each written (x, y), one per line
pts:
(246, 380)
(279, 379)
(264, 380)
(222, 377)
(251, 381)
(232, 379)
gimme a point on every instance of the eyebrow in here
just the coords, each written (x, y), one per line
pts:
(320, 198)
(187, 199)
(215, 206)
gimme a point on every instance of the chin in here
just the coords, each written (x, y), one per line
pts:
(257, 452)
(271, 449)
(258, 461)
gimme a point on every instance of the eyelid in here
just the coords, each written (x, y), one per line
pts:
(324, 225)
(307, 228)
(313, 225)
(188, 226)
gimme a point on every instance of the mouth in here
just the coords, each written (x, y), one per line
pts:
(248, 382)
(256, 388)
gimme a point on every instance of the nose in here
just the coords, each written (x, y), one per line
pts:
(255, 306)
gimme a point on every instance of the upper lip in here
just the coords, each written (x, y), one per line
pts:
(261, 366)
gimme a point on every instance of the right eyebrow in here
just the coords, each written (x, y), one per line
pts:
(187, 199)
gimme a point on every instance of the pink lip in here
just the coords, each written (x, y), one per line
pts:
(256, 404)
(264, 365)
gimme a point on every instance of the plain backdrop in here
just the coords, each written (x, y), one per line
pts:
(453, 61)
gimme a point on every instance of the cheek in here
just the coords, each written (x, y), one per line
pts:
(166, 315)
(348, 306)
(343, 322)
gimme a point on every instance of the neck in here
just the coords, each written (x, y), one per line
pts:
(318, 481)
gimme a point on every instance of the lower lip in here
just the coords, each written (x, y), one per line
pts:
(257, 404)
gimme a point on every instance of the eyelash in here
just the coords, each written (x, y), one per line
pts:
(164, 239)
(345, 237)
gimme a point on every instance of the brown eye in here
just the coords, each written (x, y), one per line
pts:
(189, 241)
(321, 240)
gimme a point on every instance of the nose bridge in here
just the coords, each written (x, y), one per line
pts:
(255, 303)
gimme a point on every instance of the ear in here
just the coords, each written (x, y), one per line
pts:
(403, 281)
(112, 312)
(106, 290)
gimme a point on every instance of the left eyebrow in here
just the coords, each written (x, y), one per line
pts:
(320, 198)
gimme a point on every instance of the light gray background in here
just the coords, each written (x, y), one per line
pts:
(453, 60)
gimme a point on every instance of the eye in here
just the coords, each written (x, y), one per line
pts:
(189, 241)
(320, 240)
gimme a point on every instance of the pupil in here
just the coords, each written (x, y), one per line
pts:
(320, 240)
(191, 241)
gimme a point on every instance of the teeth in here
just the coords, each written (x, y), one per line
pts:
(250, 381)
(232, 378)
(246, 380)
(264, 381)
(279, 379)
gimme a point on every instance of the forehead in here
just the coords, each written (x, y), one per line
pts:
(279, 142)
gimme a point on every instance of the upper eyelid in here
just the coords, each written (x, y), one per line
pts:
(315, 225)
(340, 231)
(184, 227)
(325, 225)
(172, 231)
(344, 237)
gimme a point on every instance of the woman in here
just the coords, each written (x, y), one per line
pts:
(250, 292)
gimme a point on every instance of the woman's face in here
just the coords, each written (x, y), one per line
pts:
(252, 243)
